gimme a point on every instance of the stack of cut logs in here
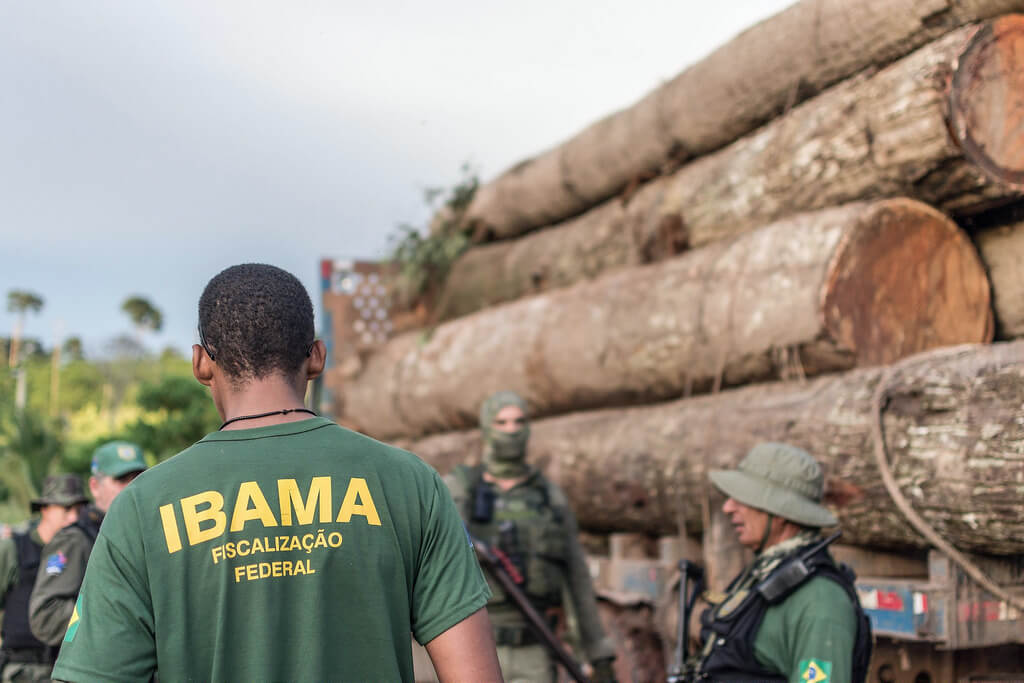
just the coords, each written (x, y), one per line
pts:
(826, 202)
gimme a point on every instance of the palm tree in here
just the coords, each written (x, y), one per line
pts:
(144, 315)
(21, 302)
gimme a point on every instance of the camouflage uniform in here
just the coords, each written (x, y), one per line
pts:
(532, 523)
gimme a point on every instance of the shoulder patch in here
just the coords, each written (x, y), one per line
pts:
(815, 670)
(76, 617)
(55, 563)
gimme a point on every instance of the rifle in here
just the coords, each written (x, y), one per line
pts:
(688, 592)
(497, 564)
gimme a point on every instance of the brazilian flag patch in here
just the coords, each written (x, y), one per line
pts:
(815, 671)
(76, 617)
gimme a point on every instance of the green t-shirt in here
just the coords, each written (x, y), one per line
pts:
(299, 551)
(810, 635)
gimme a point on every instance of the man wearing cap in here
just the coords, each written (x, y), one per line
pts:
(778, 622)
(60, 574)
(24, 657)
(511, 506)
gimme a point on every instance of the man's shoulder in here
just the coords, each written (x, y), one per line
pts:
(819, 595)
(555, 495)
(68, 536)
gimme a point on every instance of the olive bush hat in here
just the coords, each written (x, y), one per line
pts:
(61, 489)
(779, 479)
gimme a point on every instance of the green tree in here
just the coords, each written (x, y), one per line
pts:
(144, 315)
(21, 302)
(73, 348)
(184, 414)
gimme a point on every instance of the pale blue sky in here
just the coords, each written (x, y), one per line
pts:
(145, 147)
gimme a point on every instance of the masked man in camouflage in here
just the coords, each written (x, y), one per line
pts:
(779, 621)
(510, 505)
(25, 657)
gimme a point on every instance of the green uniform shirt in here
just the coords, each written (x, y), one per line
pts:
(61, 570)
(299, 551)
(810, 635)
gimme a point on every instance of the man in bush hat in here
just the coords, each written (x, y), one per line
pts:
(792, 614)
(24, 657)
(511, 506)
(114, 466)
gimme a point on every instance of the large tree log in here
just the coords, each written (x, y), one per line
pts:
(877, 135)
(751, 79)
(860, 284)
(1002, 251)
(953, 432)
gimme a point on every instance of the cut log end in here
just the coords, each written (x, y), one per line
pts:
(906, 280)
(987, 100)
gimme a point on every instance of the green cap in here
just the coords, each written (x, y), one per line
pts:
(779, 479)
(60, 489)
(117, 458)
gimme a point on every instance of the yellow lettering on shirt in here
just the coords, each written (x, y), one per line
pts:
(249, 492)
(266, 570)
(319, 495)
(358, 502)
(194, 517)
(170, 524)
(205, 518)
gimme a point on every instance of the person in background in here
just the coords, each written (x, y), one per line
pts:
(775, 624)
(510, 505)
(23, 657)
(59, 578)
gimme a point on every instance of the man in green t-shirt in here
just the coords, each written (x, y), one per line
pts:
(778, 621)
(281, 547)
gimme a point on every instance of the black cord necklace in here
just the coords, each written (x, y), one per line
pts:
(272, 412)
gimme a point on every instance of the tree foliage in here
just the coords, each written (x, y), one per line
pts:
(144, 315)
(22, 301)
(424, 257)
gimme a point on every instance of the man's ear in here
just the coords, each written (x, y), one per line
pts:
(317, 360)
(202, 368)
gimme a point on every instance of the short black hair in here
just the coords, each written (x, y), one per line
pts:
(256, 320)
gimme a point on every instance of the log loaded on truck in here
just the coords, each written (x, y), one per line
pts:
(771, 246)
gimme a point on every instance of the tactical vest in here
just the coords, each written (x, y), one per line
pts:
(526, 527)
(732, 660)
(15, 630)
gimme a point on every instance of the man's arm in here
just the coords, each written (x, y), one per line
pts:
(466, 651)
(811, 634)
(581, 591)
(8, 567)
(61, 570)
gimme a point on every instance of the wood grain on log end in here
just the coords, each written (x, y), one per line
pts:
(987, 100)
(905, 280)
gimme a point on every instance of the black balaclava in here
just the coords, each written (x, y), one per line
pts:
(504, 453)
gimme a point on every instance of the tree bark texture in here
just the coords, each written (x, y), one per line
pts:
(758, 75)
(1002, 251)
(953, 433)
(877, 135)
(859, 284)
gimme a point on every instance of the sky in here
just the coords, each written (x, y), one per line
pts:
(144, 147)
